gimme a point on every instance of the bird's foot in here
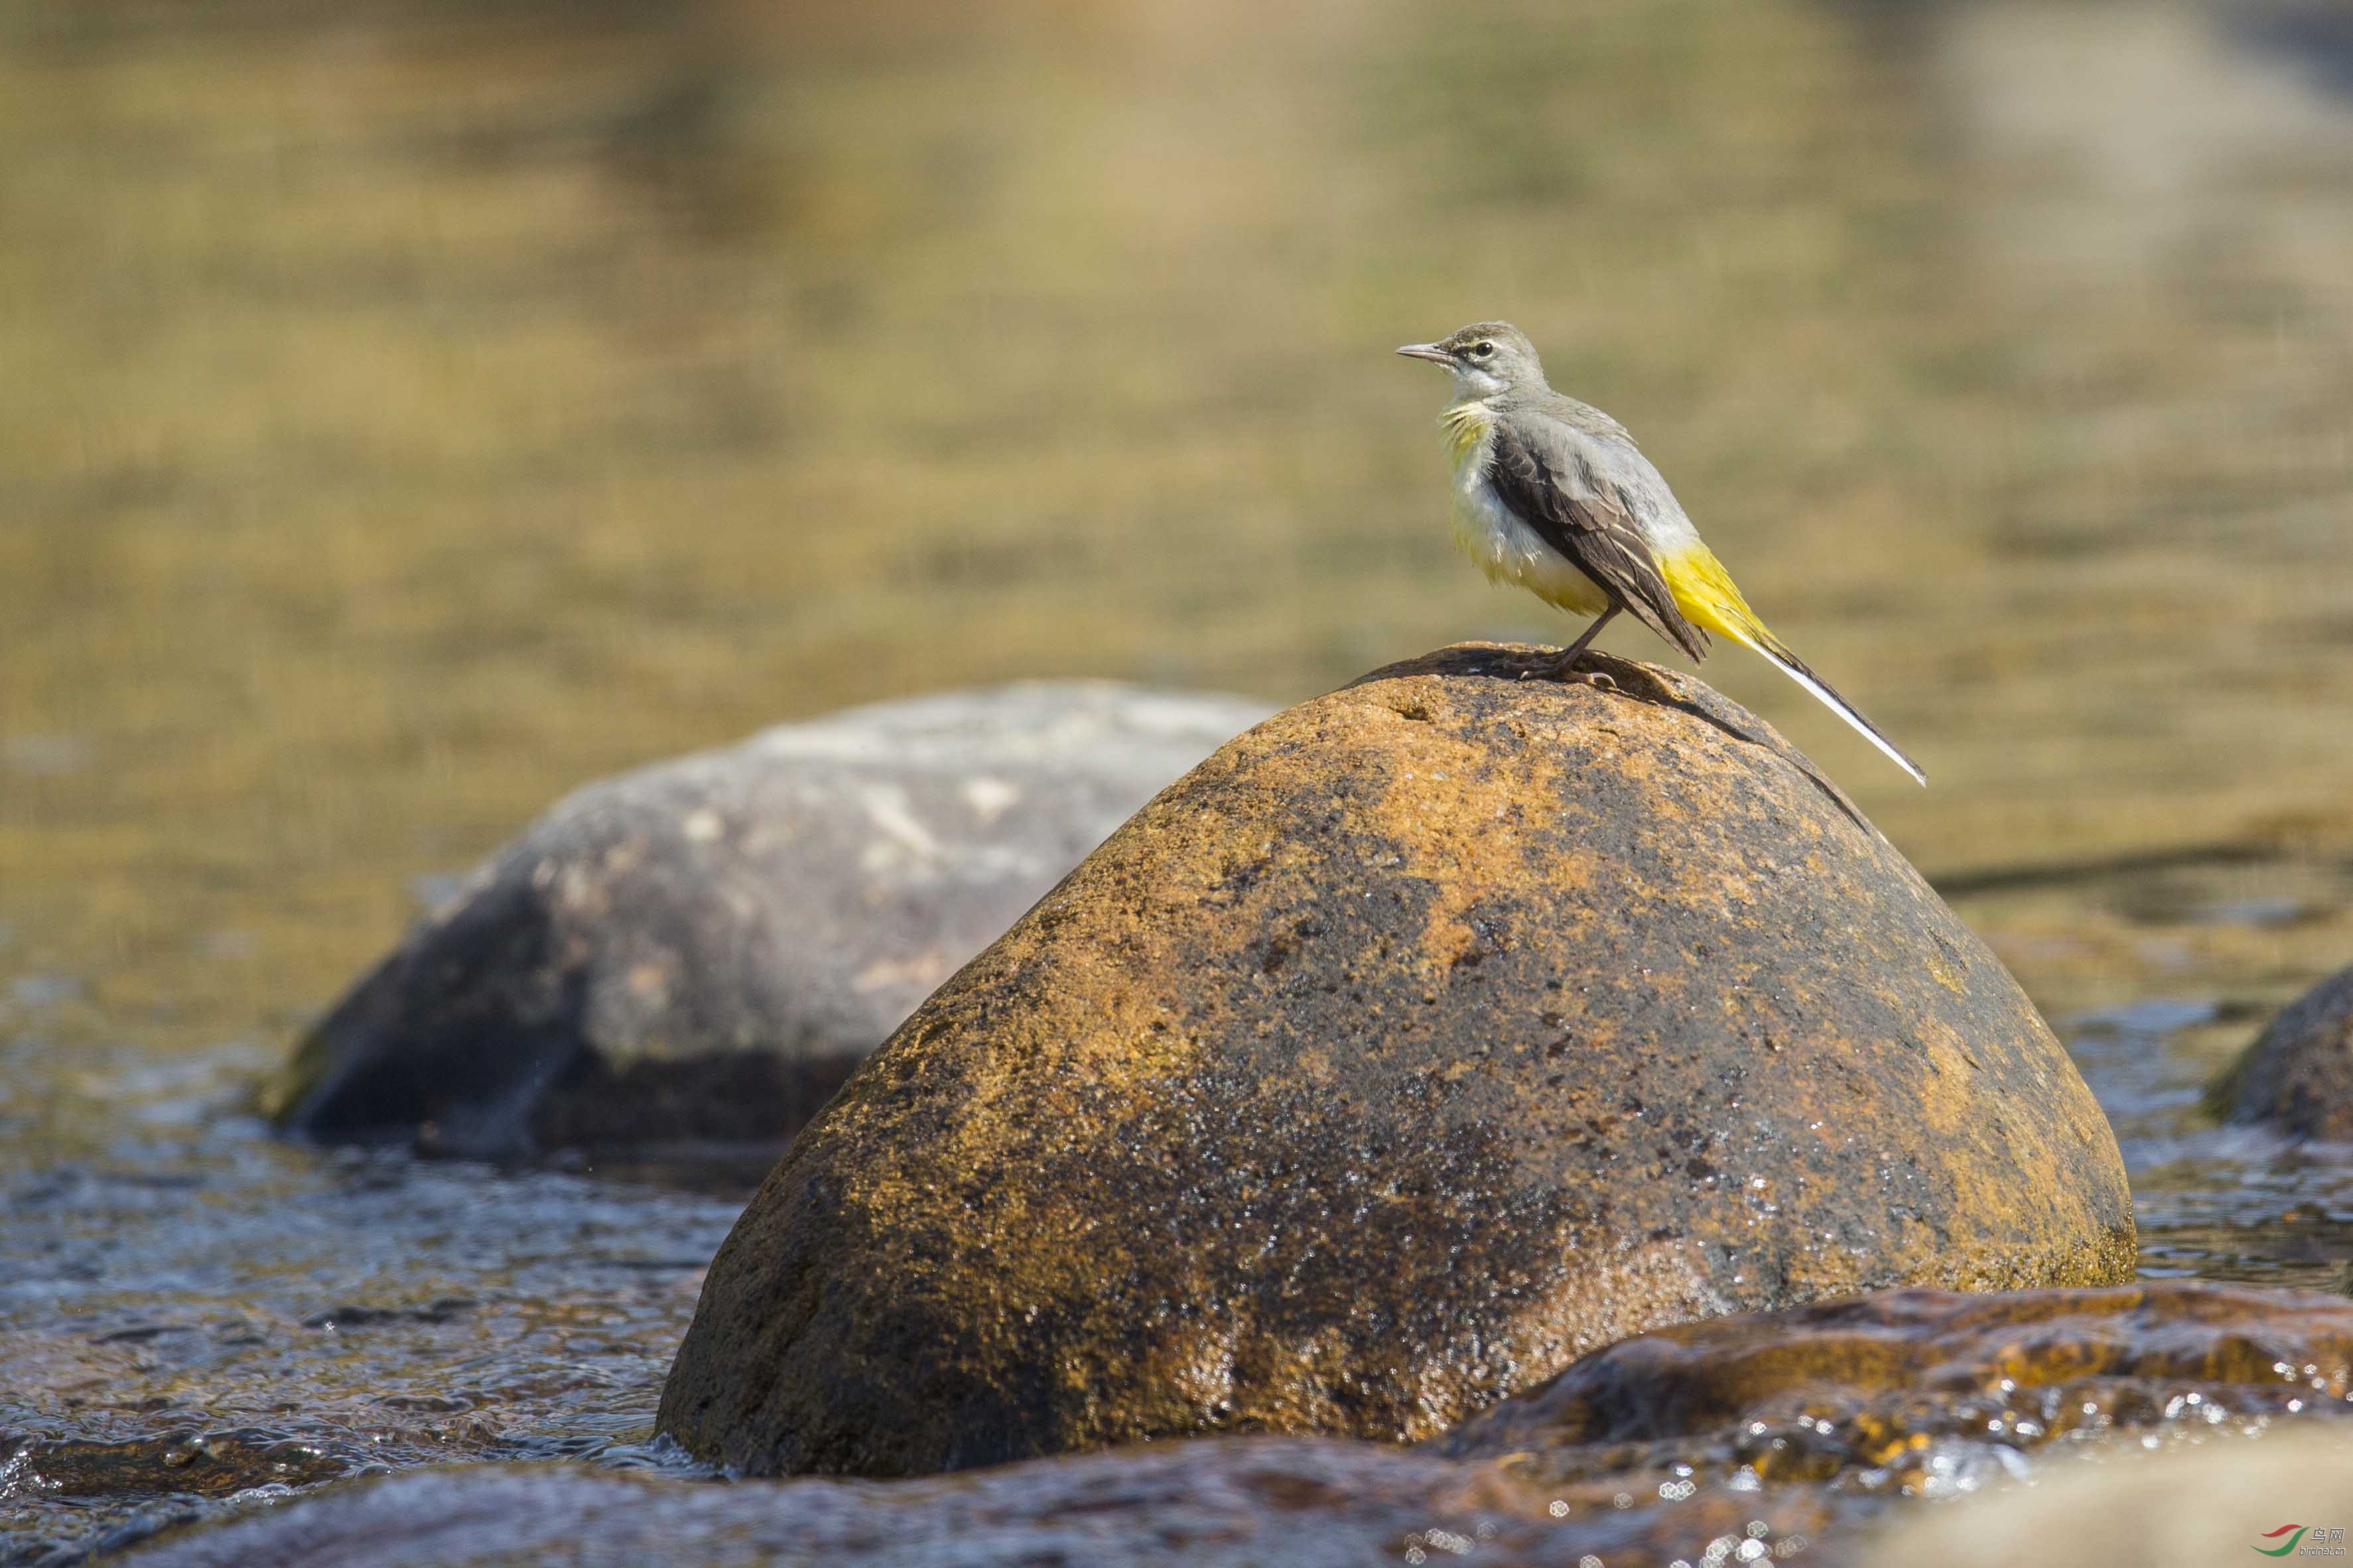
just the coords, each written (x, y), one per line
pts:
(1634, 680)
(1563, 669)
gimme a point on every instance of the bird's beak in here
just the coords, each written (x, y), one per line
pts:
(1430, 352)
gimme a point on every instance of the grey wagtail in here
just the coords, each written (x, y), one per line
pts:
(1555, 496)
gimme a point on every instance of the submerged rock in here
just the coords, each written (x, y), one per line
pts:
(1298, 1503)
(1924, 1391)
(2298, 1075)
(1429, 1035)
(703, 949)
(217, 1463)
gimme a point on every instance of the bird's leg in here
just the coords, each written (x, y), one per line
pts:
(1560, 666)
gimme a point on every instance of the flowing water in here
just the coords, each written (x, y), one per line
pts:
(408, 412)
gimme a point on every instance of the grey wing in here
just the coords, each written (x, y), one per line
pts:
(1539, 470)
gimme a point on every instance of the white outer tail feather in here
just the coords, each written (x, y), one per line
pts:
(1790, 665)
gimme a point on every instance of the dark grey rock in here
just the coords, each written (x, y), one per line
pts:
(2298, 1077)
(700, 949)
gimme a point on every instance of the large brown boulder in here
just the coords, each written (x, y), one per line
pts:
(2297, 1077)
(1434, 1032)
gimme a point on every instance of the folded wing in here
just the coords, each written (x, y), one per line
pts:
(1538, 470)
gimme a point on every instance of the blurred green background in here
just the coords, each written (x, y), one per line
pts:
(411, 410)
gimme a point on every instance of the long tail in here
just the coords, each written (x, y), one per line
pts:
(1706, 594)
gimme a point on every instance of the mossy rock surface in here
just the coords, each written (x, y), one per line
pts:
(1427, 1035)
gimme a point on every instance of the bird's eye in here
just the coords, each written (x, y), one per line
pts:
(1482, 350)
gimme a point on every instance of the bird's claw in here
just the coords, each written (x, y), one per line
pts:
(1645, 682)
(1565, 670)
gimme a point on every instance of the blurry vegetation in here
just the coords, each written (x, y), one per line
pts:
(409, 411)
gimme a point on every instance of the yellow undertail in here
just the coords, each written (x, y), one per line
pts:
(1709, 600)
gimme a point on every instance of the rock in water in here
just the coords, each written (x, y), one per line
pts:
(1922, 1391)
(703, 949)
(1432, 1032)
(2298, 1075)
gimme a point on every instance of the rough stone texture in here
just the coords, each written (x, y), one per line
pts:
(1435, 1032)
(1292, 1502)
(2298, 1075)
(1920, 1390)
(703, 949)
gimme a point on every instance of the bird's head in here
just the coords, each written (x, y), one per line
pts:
(1486, 357)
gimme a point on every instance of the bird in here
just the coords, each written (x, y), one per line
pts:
(1553, 496)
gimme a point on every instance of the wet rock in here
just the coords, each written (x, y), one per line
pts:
(2188, 1508)
(2297, 1077)
(702, 950)
(1435, 1032)
(1924, 1392)
(1298, 1503)
(191, 1463)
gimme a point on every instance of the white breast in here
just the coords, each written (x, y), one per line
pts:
(1508, 549)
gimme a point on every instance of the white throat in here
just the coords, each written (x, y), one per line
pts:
(1472, 385)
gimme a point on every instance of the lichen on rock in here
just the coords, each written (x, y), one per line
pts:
(1435, 1032)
